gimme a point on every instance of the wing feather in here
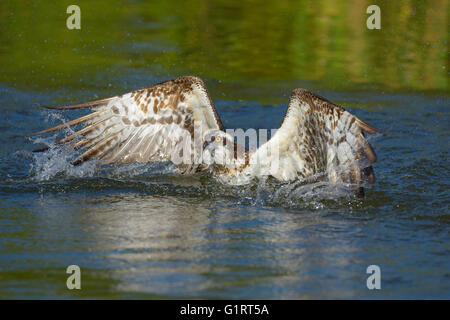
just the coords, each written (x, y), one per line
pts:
(318, 136)
(91, 104)
(144, 125)
(71, 123)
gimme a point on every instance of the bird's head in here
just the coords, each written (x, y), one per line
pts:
(218, 148)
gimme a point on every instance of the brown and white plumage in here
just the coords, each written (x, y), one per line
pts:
(158, 122)
(318, 136)
(144, 125)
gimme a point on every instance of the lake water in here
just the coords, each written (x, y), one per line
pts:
(140, 231)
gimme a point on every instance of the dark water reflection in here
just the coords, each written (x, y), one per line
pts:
(132, 245)
(138, 231)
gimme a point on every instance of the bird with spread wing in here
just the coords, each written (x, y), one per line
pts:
(176, 121)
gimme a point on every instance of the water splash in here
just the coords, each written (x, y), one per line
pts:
(55, 162)
(55, 165)
(162, 179)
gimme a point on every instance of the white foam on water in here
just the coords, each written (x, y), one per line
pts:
(312, 192)
(56, 161)
(139, 170)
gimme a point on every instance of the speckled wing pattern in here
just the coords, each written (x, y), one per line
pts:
(143, 125)
(318, 136)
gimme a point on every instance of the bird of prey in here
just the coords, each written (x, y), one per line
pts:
(176, 121)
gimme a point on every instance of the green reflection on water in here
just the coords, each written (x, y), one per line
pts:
(324, 42)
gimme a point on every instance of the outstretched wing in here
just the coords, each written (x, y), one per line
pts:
(144, 125)
(318, 136)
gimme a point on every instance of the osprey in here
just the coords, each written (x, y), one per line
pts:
(176, 121)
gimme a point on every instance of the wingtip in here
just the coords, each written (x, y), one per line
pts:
(37, 133)
(41, 149)
(367, 127)
(51, 107)
(77, 162)
(69, 123)
(369, 174)
(90, 104)
(370, 153)
(58, 107)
